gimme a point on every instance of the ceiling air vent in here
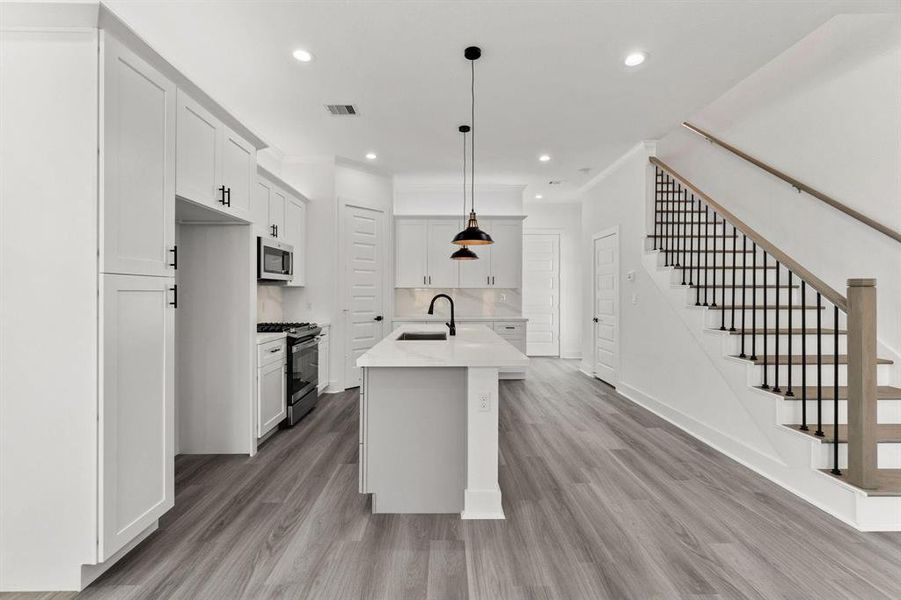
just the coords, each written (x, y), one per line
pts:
(341, 110)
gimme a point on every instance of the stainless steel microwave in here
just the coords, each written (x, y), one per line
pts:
(275, 260)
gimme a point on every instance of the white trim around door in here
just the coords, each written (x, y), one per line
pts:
(606, 305)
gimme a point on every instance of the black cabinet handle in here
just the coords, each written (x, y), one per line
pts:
(174, 263)
(379, 318)
(272, 230)
(430, 280)
(222, 192)
(276, 231)
(228, 196)
(174, 303)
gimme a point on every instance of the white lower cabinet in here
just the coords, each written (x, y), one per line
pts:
(323, 359)
(137, 426)
(271, 392)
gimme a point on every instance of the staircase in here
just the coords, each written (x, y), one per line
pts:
(804, 347)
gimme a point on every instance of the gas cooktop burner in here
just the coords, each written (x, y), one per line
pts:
(278, 327)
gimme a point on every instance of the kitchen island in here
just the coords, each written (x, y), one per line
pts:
(429, 421)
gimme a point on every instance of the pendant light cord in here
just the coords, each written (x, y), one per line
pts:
(464, 179)
(472, 123)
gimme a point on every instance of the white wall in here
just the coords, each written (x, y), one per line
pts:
(48, 292)
(827, 112)
(423, 198)
(565, 219)
(329, 183)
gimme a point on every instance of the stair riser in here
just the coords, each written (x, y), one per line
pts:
(887, 411)
(693, 274)
(883, 374)
(713, 318)
(770, 296)
(715, 259)
(888, 456)
(733, 345)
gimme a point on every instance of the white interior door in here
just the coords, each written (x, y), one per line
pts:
(606, 306)
(365, 252)
(541, 292)
(137, 447)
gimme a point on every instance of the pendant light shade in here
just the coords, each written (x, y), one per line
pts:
(472, 235)
(464, 253)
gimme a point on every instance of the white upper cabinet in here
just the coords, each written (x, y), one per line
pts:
(410, 243)
(259, 208)
(295, 233)
(215, 167)
(477, 273)
(238, 173)
(443, 272)
(506, 253)
(138, 165)
(277, 206)
(137, 424)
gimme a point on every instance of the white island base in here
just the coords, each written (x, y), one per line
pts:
(429, 423)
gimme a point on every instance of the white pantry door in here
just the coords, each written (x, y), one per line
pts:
(541, 292)
(365, 252)
(606, 306)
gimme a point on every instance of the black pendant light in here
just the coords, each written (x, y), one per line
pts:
(464, 253)
(472, 235)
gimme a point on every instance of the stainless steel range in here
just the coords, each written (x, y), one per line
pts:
(303, 367)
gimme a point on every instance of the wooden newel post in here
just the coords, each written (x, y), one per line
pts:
(862, 383)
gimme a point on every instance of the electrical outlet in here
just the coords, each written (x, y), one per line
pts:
(484, 401)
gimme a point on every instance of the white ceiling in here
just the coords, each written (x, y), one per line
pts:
(551, 78)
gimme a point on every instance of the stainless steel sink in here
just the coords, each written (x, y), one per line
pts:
(419, 336)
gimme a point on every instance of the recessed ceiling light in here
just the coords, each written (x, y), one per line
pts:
(371, 155)
(538, 196)
(544, 157)
(303, 55)
(634, 59)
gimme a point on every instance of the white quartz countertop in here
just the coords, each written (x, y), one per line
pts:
(270, 336)
(473, 346)
(457, 318)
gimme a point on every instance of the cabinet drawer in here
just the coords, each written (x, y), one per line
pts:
(510, 329)
(271, 352)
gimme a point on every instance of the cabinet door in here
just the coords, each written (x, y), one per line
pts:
(477, 273)
(411, 236)
(197, 154)
(506, 253)
(271, 396)
(259, 208)
(277, 206)
(443, 272)
(238, 172)
(136, 446)
(296, 235)
(138, 154)
(323, 363)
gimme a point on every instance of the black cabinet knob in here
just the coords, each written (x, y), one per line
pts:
(379, 318)
(595, 319)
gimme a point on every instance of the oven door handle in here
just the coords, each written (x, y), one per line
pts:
(304, 345)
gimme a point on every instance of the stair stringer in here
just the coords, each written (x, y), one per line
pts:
(787, 457)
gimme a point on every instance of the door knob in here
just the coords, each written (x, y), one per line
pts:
(379, 318)
(595, 319)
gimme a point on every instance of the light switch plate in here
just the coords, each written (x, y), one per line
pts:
(484, 401)
(630, 276)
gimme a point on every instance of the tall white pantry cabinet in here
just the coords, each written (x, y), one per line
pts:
(87, 226)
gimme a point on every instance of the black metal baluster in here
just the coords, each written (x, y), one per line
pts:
(723, 280)
(744, 264)
(656, 205)
(753, 304)
(691, 240)
(685, 220)
(713, 266)
(697, 229)
(679, 215)
(776, 339)
(766, 357)
(835, 469)
(788, 390)
(664, 221)
(706, 253)
(819, 431)
(670, 218)
(734, 258)
(804, 356)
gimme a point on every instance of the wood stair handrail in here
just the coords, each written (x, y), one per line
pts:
(815, 282)
(801, 187)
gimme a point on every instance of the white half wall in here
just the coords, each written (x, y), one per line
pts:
(565, 219)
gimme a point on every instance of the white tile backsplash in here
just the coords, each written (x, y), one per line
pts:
(488, 302)
(270, 303)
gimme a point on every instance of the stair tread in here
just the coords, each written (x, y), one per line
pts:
(719, 267)
(738, 287)
(761, 307)
(711, 251)
(785, 331)
(888, 481)
(795, 359)
(883, 392)
(885, 432)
